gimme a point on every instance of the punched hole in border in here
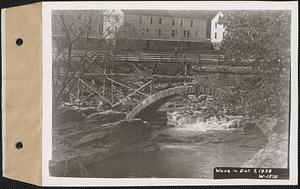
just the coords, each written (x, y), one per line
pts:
(19, 42)
(19, 145)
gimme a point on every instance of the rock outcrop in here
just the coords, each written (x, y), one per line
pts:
(275, 153)
(108, 116)
(79, 144)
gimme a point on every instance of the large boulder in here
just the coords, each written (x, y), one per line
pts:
(156, 118)
(67, 115)
(202, 97)
(108, 116)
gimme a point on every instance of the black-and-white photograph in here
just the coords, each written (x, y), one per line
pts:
(143, 93)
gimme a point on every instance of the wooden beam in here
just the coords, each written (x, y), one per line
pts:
(127, 87)
(135, 91)
(90, 87)
(137, 68)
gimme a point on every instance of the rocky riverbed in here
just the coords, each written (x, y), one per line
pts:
(189, 144)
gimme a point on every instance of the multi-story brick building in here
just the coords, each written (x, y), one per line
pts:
(162, 29)
(165, 25)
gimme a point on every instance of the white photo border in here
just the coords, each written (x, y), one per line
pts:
(47, 7)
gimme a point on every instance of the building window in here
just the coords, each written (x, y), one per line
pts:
(188, 34)
(216, 24)
(196, 33)
(151, 20)
(147, 31)
(184, 33)
(173, 33)
(143, 31)
(159, 20)
(181, 22)
(192, 23)
(159, 32)
(173, 21)
(216, 35)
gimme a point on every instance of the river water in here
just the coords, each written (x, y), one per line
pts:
(190, 149)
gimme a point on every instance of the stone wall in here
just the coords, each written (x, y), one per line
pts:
(220, 80)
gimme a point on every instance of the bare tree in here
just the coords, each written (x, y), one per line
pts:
(77, 46)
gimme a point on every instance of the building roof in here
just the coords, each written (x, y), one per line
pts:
(195, 14)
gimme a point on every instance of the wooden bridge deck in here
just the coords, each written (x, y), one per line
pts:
(199, 58)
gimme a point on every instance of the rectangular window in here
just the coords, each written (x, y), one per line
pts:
(181, 22)
(147, 31)
(143, 31)
(188, 34)
(140, 20)
(216, 35)
(196, 33)
(192, 23)
(173, 21)
(173, 33)
(184, 33)
(159, 20)
(159, 32)
(216, 24)
(151, 20)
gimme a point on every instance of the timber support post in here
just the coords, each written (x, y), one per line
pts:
(112, 92)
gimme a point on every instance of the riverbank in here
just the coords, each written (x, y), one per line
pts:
(84, 141)
(275, 153)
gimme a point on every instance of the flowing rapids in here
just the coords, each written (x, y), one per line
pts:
(190, 149)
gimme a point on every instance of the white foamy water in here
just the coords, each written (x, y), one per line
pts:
(196, 122)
